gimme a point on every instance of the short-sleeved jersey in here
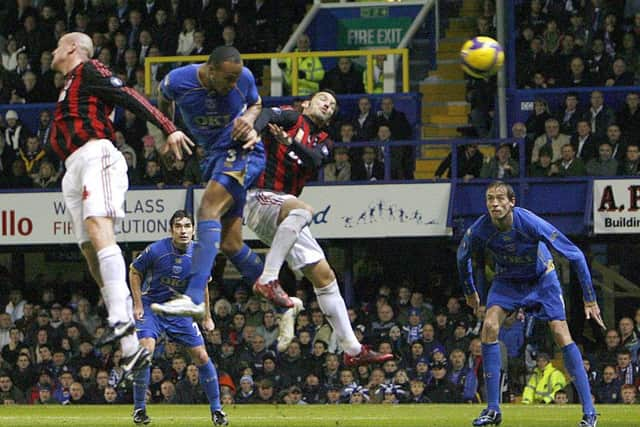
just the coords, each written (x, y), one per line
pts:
(208, 116)
(165, 270)
(86, 102)
(521, 254)
(289, 167)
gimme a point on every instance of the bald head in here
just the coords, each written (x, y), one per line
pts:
(73, 48)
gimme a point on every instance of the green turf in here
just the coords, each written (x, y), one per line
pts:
(316, 415)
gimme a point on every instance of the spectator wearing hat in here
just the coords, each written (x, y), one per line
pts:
(62, 393)
(246, 391)
(459, 340)
(421, 370)
(44, 396)
(294, 396)
(545, 381)
(15, 134)
(266, 392)
(439, 389)
(332, 395)
(413, 330)
(9, 394)
(438, 354)
(271, 372)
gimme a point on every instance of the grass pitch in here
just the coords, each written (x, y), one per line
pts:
(427, 415)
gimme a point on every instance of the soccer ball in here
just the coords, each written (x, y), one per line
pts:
(481, 57)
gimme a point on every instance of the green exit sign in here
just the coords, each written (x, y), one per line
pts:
(374, 12)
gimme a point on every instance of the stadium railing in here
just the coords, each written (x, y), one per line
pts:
(369, 54)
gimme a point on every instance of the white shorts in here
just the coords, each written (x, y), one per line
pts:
(261, 216)
(94, 185)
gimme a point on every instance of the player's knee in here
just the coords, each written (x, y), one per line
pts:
(230, 247)
(199, 356)
(490, 330)
(149, 344)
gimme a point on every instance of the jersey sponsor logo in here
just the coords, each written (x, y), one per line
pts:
(212, 121)
(116, 82)
(173, 282)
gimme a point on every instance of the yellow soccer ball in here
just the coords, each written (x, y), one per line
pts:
(481, 57)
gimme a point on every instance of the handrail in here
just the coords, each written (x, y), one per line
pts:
(368, 53)
(415, 25)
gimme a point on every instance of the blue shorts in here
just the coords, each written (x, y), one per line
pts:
(542, 297)
(182, 330)
(236, 170)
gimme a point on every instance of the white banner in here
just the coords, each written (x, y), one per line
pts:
(41, 218)
(361, 211)
(616, 206)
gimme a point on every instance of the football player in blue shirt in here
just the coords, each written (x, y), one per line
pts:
(525, 277)
(219, 103)
(158, 274)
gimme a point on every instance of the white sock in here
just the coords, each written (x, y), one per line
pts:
(335, 310)
(284, 239)
(114, 291)
(129, 344)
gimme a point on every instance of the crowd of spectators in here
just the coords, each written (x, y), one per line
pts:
(47, 355)
(578, 43)
(564, 141)
(25, 163)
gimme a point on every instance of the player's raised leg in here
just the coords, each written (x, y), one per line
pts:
(492, 364)
(246, 261)
(216, 200)
(294, 215)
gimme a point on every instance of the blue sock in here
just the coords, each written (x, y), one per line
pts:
(140, 385)
(248, 263)
(204, 253)
(492, 365)
(573, 363)
(209, 382)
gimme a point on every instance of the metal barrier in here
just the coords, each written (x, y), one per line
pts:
(293, 56)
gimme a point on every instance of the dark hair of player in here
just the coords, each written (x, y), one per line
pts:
(332, 93)
(224, 54)
(497, 184)
(178, 215)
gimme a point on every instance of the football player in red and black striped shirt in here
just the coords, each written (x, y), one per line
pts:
(95, 181)
(296, 147)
